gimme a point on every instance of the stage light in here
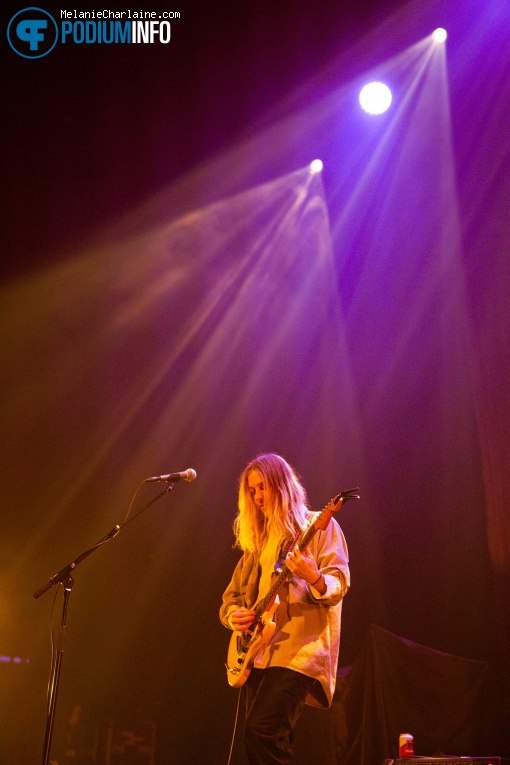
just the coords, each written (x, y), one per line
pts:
(375, 98)
(439, 35)
(316, 166)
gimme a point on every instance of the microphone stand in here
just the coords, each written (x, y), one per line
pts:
(64, 577)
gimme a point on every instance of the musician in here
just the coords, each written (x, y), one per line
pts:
(299, 664)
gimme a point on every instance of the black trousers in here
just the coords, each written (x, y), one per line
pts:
(275, 698)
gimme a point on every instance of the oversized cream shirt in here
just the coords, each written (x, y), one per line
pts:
(307, 635)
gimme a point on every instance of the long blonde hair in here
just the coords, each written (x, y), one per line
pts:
(286, 509)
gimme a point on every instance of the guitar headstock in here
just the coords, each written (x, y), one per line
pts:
(333, 506)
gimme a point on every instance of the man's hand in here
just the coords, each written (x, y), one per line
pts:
(242, 619)
(303, 564)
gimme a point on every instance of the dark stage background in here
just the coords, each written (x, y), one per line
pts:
(179, 291)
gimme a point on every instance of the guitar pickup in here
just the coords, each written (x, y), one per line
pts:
(240, 645)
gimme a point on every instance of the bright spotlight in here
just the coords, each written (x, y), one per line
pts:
(439, 35)
(375, 98)
(316, 166)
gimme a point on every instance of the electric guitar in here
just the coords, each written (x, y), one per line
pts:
(244, 647)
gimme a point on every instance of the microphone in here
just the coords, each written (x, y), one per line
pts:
(186, 475)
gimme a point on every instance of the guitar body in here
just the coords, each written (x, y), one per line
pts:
(244, 648)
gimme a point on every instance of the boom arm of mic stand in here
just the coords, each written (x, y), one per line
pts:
(63, 574)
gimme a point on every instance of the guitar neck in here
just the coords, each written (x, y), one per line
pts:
(303, 541)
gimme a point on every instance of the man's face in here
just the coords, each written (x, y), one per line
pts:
(258, 491)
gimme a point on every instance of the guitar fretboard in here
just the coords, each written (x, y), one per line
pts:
(308, 533)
